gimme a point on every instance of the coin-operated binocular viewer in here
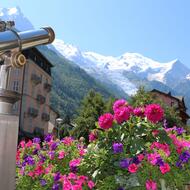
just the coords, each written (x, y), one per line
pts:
(12, 43)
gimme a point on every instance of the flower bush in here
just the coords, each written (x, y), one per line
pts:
(51, 165)
(131, 148)
(134, 149)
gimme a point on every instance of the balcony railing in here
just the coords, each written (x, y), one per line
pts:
(45, 117)
(41, 99)
(32, 112)
(47, 87)
(36, 79)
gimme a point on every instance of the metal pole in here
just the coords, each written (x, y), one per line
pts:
(8, 132)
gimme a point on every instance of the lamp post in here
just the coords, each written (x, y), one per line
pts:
(59, 121)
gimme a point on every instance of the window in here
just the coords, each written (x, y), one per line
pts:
(16, 86)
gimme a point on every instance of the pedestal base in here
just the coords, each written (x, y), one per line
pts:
(8, 147)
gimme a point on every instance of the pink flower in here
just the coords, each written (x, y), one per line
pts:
(119, 104)
(140, 157)
(132, 168)
(29, 144)
(122, 114)
(18, 155)
(72, 176)
(139, 112)
(48, 169)
(73, 164)
(164, 147)
(91, 184)
(106, 120)
(92, 137)
(82, 152)
(38, 170)
(151, 185)
(31, 174)
(152, 158)
(67, 141)
(61, 155)
(22, 144)
(165, 168)
(154, 113)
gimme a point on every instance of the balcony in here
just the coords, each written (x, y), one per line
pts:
(36, 79)
(32, 112)
(45, 117)
(41, 99)
(47, 87)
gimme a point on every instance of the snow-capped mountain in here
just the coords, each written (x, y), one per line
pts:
(125, 72)
(117, 69)
(188, 77)
(15, 14)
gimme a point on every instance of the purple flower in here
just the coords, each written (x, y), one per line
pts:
(184, 157)
(24, 163)
(120, 188)
(48, 138)
(53, 146)
(159, 161)
(179, 164)
(30, 160)
(42, 158)
(117, 148)
(36, 140)
(165, 124)
(180, 130)
(43, 182)
(135, 160)
(51, 155)
(57, 176)
(124, 163)
(55, 186)
(35, 152)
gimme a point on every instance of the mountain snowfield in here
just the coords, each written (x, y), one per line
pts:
(114, 69)
(126, 72)
(15, 13)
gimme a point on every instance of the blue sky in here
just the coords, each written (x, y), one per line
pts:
(159, 29)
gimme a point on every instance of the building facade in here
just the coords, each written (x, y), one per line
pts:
(33, 82)
(173, 101)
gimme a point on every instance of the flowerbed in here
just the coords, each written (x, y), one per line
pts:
(130, 149)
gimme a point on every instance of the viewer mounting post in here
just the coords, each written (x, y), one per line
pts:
(12, 43)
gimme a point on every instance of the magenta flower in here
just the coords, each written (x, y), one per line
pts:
(165, 168)
(61, 155)
(151, 185)
(105, 121)
(92, 137)
(119, 104)
(73, 164)
(122, 114)
(67, 141)
(132, 168)
(91, 184)
(154, 113)
(153, 157)
(139, 112)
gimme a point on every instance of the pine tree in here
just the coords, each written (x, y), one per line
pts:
(92, 107)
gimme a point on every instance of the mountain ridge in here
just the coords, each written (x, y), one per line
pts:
(124, 73)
